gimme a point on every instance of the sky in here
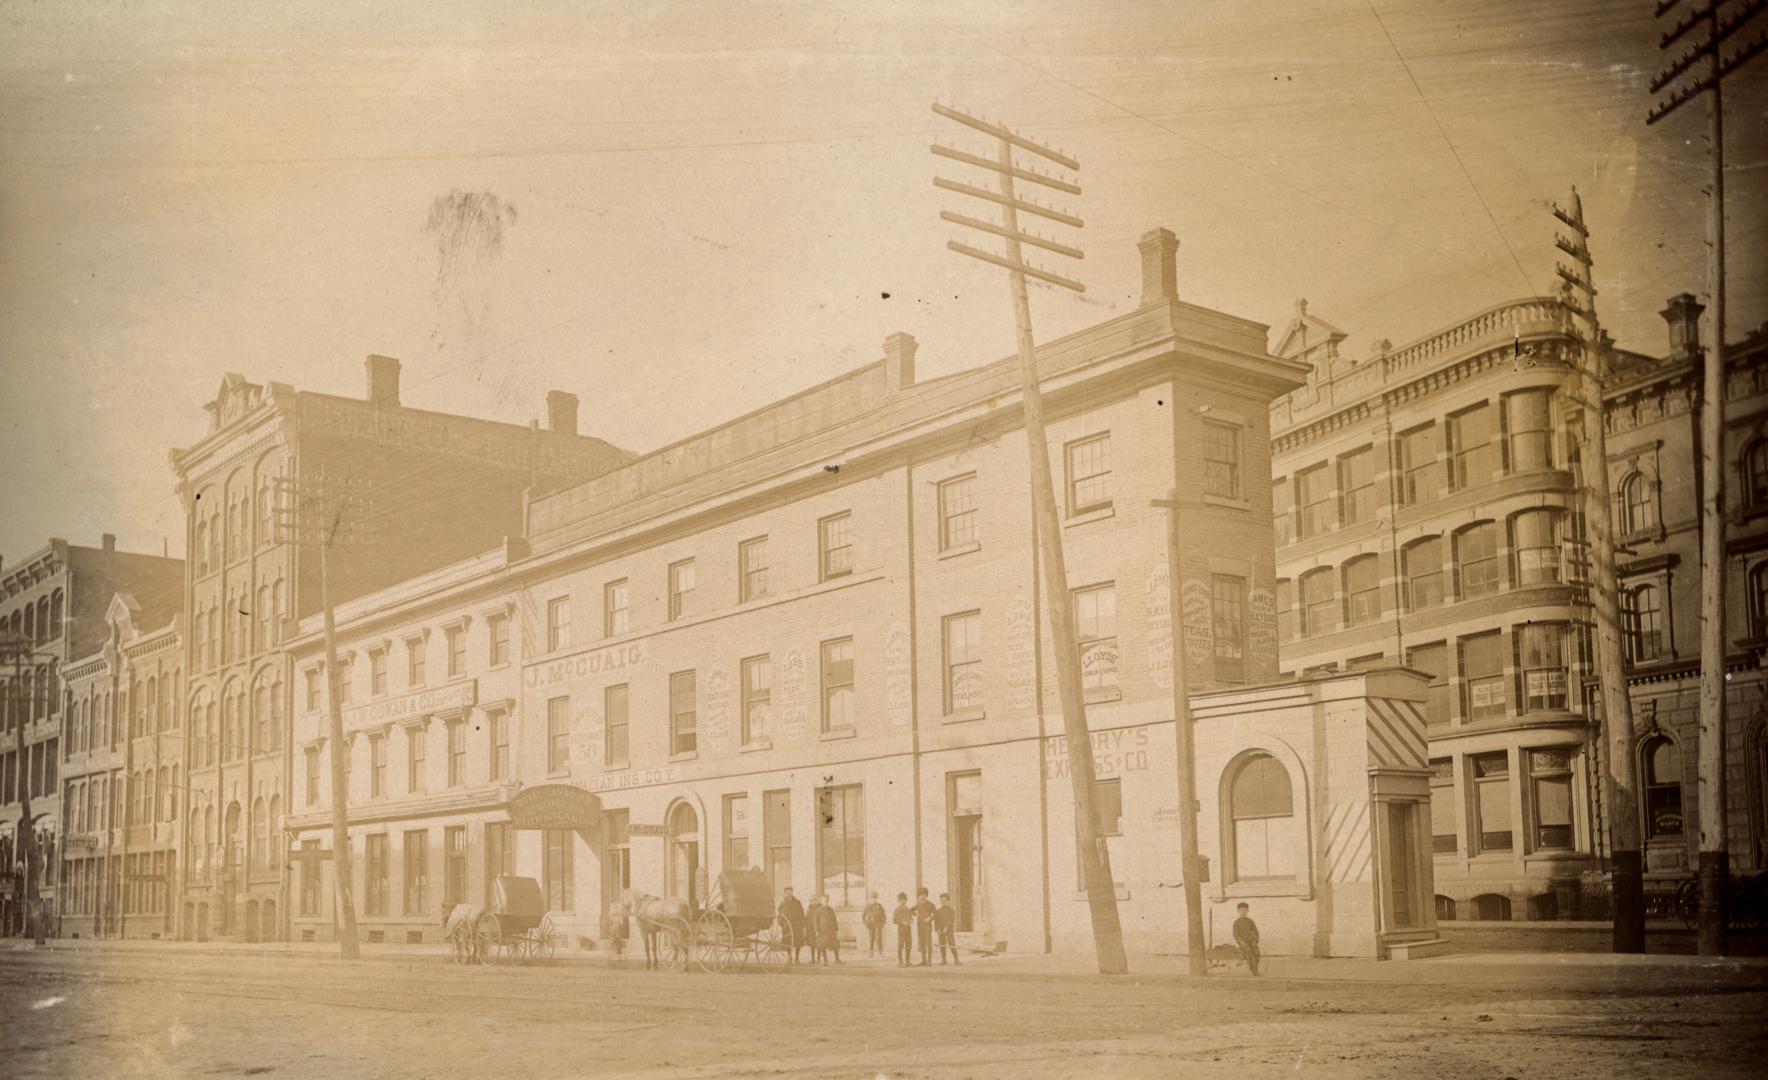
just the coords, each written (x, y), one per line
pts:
(682, 211)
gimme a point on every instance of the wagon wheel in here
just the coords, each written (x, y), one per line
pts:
(773, 946)
(713, 942)
(546, 939)
(681, 936)
(489, 934)
(460, 938)
(1687, 903)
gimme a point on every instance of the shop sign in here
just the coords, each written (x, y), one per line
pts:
(423, 703)
(555, 806)
(610, 661)
(1114, 753)
(637, 829)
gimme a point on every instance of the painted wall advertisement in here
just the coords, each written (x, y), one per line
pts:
(1115, 752)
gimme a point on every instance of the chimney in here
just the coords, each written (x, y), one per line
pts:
(383, 381)
(1682, 312)
(110, 542)
(561, 412)
(1160, 266)
(899, 363)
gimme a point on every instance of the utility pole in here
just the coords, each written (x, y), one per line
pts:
(1626, 866)
(324, 513)
(1719, 25)
(1185, 746)
(1094, 857)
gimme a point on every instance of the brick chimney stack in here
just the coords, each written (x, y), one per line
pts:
(383, 381)
(1160, 266)
(561, 412)
(899, 362)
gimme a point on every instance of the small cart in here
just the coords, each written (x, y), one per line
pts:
(739, 925)
(515, 927)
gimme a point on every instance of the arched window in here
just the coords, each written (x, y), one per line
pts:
(202, 547)
(163, 800)
(261, 718)
(1662, 773)
(1759, 599)
(43, 619)
(266, 524)
(1476, 560)
(1362, 591)
(684, 851)
(1642, 616)
(1261, 809)
(1423, 561)
(216, 535)
(274, 738)
(214, 636)
(260, 835)
(276, 612)
(264, 617)
(1319, 606)
(1285, 609)
(1638, 499)
(30, 633)
(1755, 474)
(55, 605)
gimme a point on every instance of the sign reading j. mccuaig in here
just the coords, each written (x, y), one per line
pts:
(456, 695)
(555, 806)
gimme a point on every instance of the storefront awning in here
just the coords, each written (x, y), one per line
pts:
(555, 806)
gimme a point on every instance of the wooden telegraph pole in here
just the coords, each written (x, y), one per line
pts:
(1718, 24)
(324, 513)
(1185, 746)
(1094, 858)
(1626, 868)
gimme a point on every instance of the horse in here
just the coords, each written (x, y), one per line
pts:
(657, 915)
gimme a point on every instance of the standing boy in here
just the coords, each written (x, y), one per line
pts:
(945, 924)
(813, 929)
(904, 918)
(827, 930)
(924, 926)
(1246, 936)
(874, 923)
(792, 920)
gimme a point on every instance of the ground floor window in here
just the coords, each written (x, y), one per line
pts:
(1491, 778)
(1550, 778)
(417, 872)
(1261, 810)
(841, 844)
(374, 901)
(310, 878)
(1444, 831)
(454, 878)
(736, 832)
(500, 854)
(557, 877)
(777, 835)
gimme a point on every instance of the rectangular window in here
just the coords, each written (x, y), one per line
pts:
(617, 874)
(736, 832)
(1319, 602)
(835, 545)
(1283, 511)
(1286, 622)
(558, 623)
(1356, 486)
(1433, 660)
(377, 765)
(1362, 590)
(1528, 416)
(1089, 474)
(963, 662)
(1534, 536)
(456, 637)
(616, 611)
(776, 827)
(1550, 777)
(558, 735)
(414, 662)
(1491, 778)
(1542, 665)
(500, 855)
(1482, 676)
(1470, 440)
(557, 874)
(1421, 480)
(1108, 806)
(500, 745)
(617, 747)
(454, 872)
(841, 852)
(957, 512)
(346, 671)
(1476, 560)
(1444, 832)
(840, 708)
(684, 713)
(1095, 627)
(309, 878)
(499, 627)
(414, 758)
(1313, 493)
(375, 874)
(312, 676)
(757, 698)
(1424, 573)
(417, 872)
(1221, 459)
(377, 672)
(457, 753)
(312, 757)
(1227, 603)
(752, 562)
(681, 588)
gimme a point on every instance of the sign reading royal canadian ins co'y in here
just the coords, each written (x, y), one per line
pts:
(555, 806)
(457, 695)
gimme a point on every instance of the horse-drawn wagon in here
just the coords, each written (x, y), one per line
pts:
(514, 927)
(737, 926)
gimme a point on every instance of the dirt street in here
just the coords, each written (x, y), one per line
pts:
(93, 1012)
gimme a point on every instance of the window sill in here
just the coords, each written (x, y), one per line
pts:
(1086, 517)
(685, 755)
(754, 745)
(837, 576)
(1122, 891)
(964, 716)
(839, 733)
(1227, 502)
(616, 766)
(961, 549)
(1102, 696)
(553, 774)
(1267, 887)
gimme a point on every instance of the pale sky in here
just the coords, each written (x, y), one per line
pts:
(709, 201)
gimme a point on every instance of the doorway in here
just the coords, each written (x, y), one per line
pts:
(1402, 865)
(964, 797)
(684, 853)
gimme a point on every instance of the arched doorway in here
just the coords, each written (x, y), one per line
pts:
(684, 853)
(267, 921)
(251, 920)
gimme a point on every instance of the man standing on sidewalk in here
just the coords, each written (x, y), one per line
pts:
(1246, 936)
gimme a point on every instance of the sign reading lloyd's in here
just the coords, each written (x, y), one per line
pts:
(608, 661)
(1117, 751)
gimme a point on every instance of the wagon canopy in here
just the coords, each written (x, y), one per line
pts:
(744, 894)
(520, 896)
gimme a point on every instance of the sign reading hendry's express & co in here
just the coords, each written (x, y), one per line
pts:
(443, 698)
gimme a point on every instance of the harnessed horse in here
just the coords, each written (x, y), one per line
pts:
(658, 915)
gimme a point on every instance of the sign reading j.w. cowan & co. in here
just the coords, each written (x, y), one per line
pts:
(457, 695)
(555, 806)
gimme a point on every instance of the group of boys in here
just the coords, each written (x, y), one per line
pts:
(920, 924)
